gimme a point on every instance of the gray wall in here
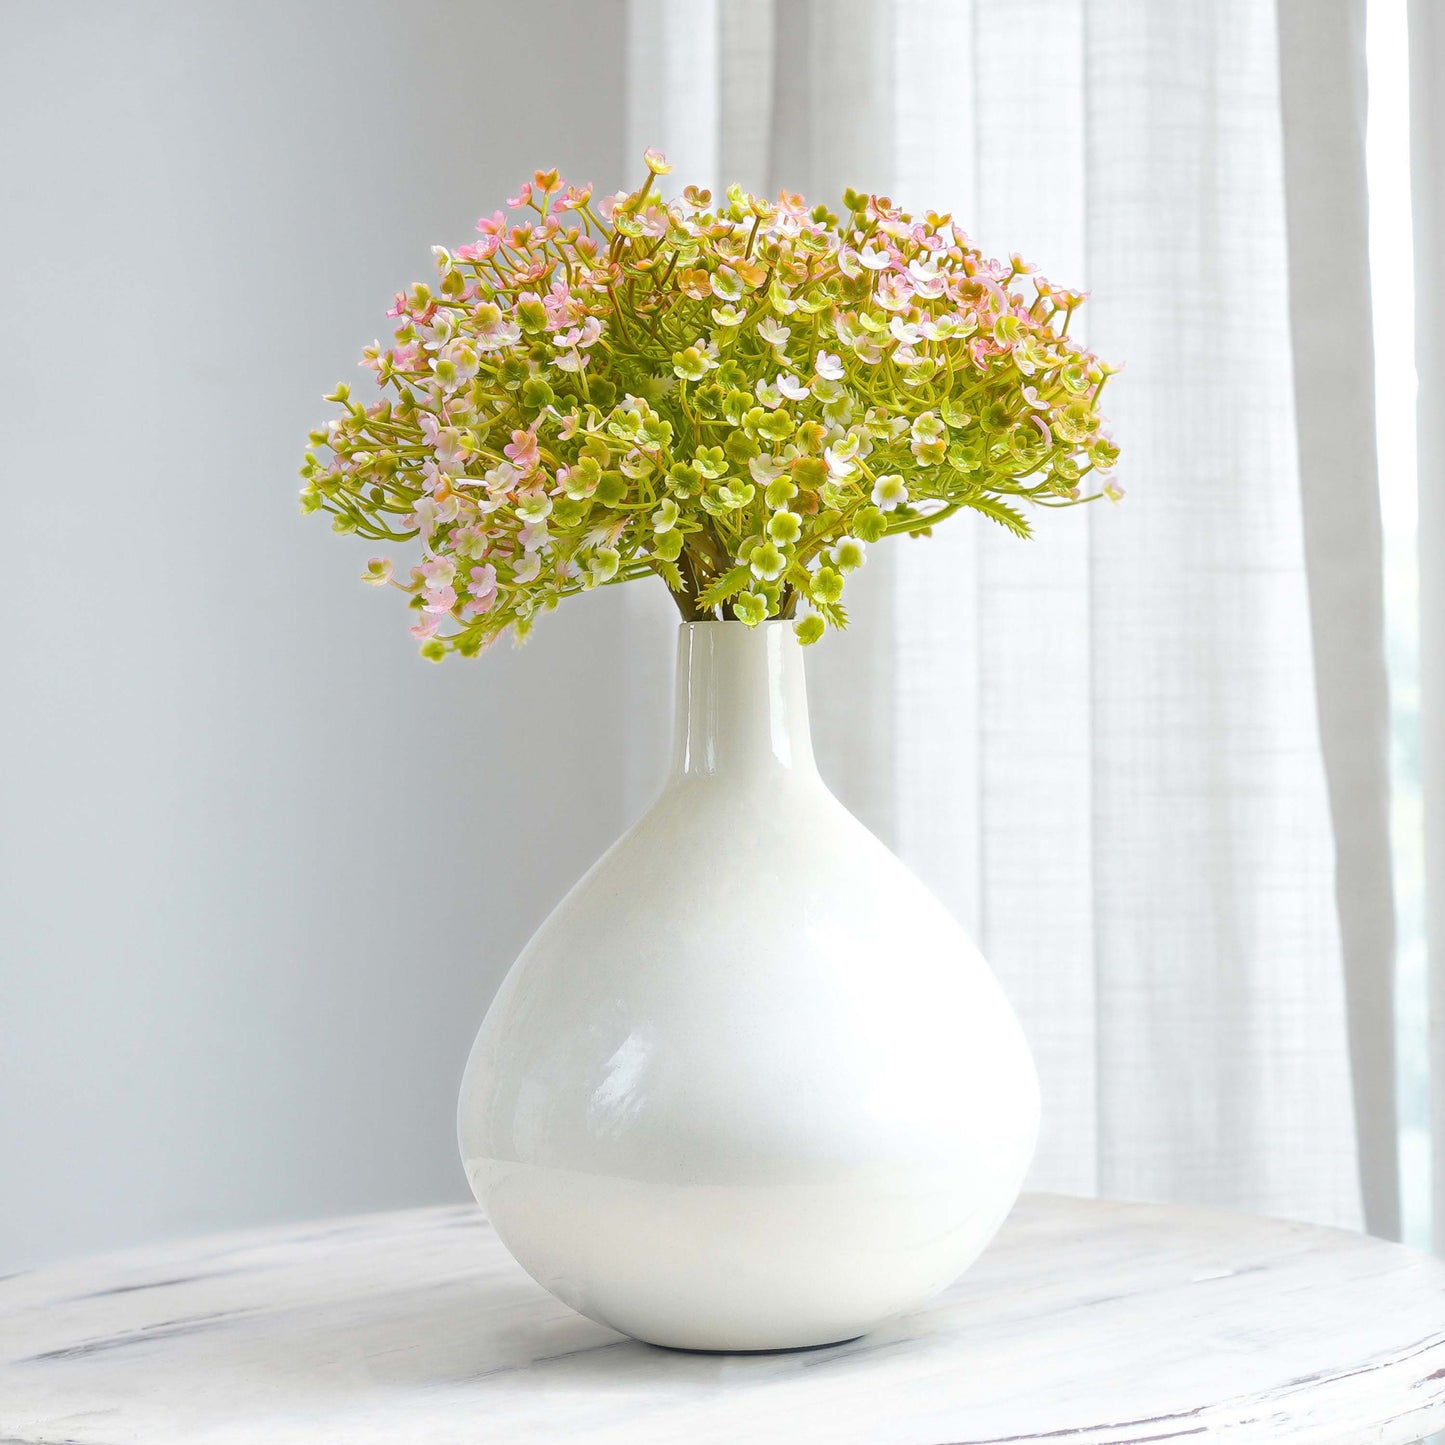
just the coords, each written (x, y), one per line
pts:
(260, 868)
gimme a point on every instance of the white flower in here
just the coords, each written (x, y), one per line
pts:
(501, 478)
(791, 387)
(872, 258)
(534, 506)
(603, 566)
(889, 493)
(439, 332)
(769, 395)
(499, 337)
(829, 366)
(839, 464)
(527, 569)
(462, 358)
(424, 515)
(773, 332)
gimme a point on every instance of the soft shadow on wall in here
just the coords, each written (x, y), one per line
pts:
(262, 868)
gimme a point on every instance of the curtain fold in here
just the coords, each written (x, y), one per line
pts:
(1427, 187)
(1101, 748)
(1324, 105)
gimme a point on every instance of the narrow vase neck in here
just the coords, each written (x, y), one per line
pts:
(742, 703)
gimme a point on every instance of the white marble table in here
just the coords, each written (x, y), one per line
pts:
(1086, 1322)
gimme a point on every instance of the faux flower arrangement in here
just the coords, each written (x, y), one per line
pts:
(737, 397)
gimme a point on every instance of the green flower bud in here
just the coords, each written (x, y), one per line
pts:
(750, 608)
(870, 524)
(513, 372)
(434, 650)
(532, 316)
(710, 461)
(779, 493)
(537, 393)
(708, 399)
(785, 527)
(690, 364)
(776, 426)
(734, 495)
(611, 489)
(683, 480)
(741, 448)
(736, 406)
(827, 584)
(809, 472)
(767, 562)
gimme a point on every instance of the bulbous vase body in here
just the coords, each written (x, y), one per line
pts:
(750, 1086)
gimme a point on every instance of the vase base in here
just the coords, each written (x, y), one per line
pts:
(781, 1350)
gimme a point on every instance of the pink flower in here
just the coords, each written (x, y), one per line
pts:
(427, 626)
(522, 449)
(573, 198)
(483, 587)
(451, 450)
(439, 599)
(438, 572)
(522, 198)
(560, 305)
(584, 335)
(479, 250)
(494, 224)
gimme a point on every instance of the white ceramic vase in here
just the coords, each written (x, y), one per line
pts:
(750, 1087)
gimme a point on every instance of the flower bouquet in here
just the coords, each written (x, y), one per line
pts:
(738, 397)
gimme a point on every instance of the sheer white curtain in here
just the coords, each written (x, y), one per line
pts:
(1102, 748)
(1427, 184)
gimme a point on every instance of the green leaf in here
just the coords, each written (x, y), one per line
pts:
(1001, 513)
(833, 613)
(667, 570)
(725, 587)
